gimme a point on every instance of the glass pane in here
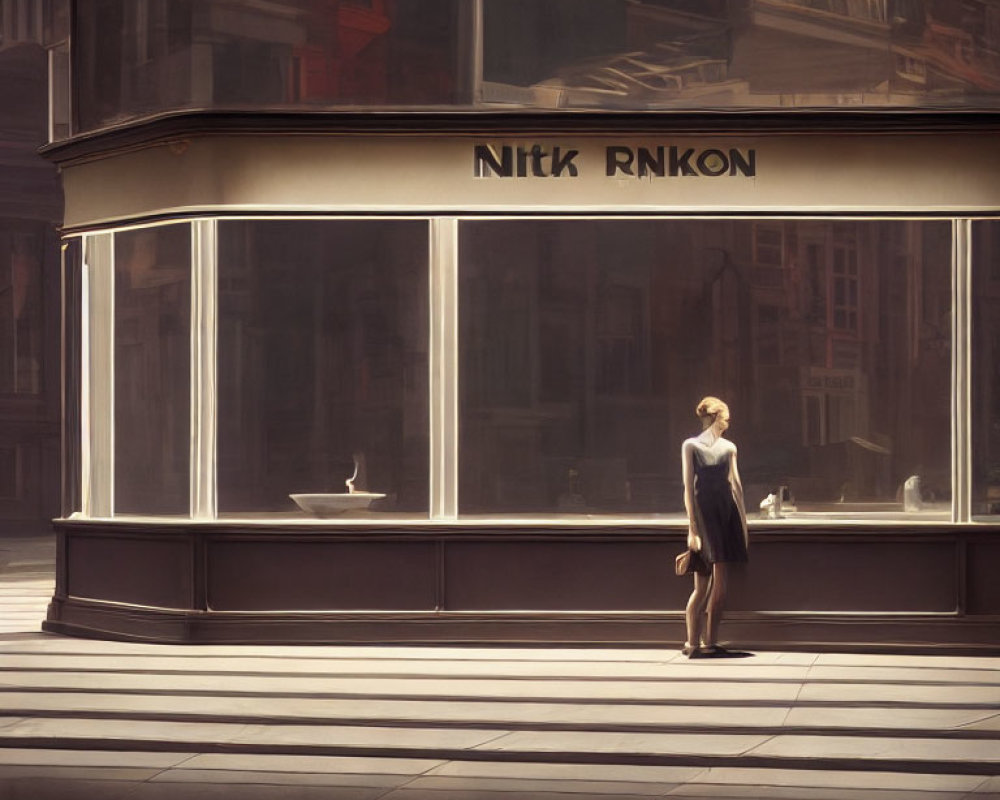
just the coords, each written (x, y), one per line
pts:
(152, 370)
(586, 345)
(322, 363)
(664, 54)
(986, 368)
(135, 57)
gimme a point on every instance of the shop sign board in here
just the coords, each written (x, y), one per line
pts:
(566, 173)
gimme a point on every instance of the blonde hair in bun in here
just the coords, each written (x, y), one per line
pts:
(708, 408)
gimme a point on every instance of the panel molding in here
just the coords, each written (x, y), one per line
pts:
(203, 551)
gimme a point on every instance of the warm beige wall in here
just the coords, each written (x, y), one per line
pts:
(910, 173)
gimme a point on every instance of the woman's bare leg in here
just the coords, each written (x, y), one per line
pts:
(695, 608)
(716, 601)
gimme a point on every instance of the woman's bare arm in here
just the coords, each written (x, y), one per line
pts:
(687, 470)
(737, 484)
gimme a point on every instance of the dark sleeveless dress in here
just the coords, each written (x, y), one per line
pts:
(721, 527)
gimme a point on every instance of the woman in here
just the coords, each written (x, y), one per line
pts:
(717, 522)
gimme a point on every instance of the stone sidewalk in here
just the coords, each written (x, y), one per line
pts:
(101, 720)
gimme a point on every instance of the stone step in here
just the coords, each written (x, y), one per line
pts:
(483, 722)
(929, 754)
(362, 710)
(721, 694)
(102, 774)
(666, 668)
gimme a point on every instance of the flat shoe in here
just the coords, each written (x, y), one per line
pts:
(714, 650)
(692, 652)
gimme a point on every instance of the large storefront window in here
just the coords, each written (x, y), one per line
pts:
(581, 348)
(139, 57)
(152, 370)
(585, 346)
(986, 368)
(322, 363)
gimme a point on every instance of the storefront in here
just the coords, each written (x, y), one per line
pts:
(423, 375)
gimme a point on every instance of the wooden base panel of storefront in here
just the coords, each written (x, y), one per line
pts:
(925, 589)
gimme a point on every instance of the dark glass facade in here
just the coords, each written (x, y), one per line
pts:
(133, 59)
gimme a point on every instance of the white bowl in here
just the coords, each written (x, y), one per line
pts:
(330, 505)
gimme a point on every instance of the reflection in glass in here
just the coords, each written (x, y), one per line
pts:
(134, 58)
(322, 362)
(986, 368)
(585, 347)
(741, 53)
(152, 370)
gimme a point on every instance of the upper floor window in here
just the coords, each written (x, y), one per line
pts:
(845, 281)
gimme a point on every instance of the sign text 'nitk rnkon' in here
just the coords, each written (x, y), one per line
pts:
(662, 161)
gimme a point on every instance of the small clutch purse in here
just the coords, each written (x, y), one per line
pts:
(691, 561)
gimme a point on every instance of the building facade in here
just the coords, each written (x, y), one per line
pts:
(385, 321)
(30, 215)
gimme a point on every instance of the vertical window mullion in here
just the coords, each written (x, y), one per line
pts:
(477, 56)
(204, 338)
(51, 54)
(961, 332)
(97, 375)
(443, 366)
(71, 304)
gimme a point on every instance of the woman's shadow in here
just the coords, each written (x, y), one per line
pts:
(722, 652)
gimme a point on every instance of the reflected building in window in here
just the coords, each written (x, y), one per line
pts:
(832, 338)
(746, 53)
(201, 54)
